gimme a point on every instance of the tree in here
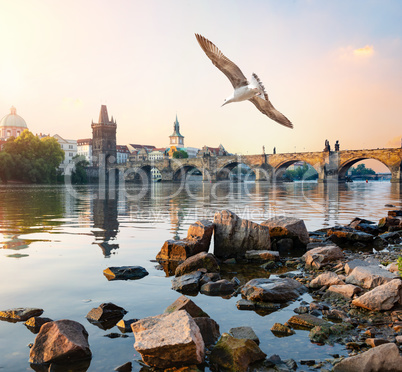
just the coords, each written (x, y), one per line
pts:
(361, 170)
(79, 174)
(34, 160)
(180, 154)
(6, 166)
(305, 172)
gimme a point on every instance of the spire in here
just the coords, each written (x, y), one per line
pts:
(103, 115)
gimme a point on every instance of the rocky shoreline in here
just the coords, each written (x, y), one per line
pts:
(350, 271)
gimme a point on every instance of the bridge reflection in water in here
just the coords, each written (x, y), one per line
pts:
(331, 166)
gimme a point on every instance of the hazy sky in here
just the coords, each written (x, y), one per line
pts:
(333, 67)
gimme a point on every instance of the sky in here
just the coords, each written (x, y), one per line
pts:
(333, 67)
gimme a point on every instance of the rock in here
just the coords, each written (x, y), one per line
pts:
(288, 227)
(328, 278)
(234, 236)
(201, 260)
(383, 297)
(209, 330)
(347, 235)
(36, 322)
(282, 330)
(59, 342)
(244, 332)
(383, 358)
(373, 342)
(219, 288)
(317, 257)
(388, 222)
(188, 283)
(198, 240)
(349, 266)
(262, 255)
(346, 290)
(125, 273)
(169, 340)
(285, 246)
(126, 367)
(233, 354)
(272, 290)
(306, 320)
(369, 276)
(210, 277)
(184, 303)
(125, 325)
(106, 315)
(245, 304)
(20, 314)
(393, 267)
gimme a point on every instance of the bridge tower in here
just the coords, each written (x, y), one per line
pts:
(176, 139)
(104, 139)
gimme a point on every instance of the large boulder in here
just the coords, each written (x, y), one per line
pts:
(125, 272)
(201, 260)
(188, 283)
(320, 256)
(234, 354)
(59, 342)
(219, 288)
(209, 330)
(369, 276)
(326, 279)
(198, 240)
(383, 358)
(184, 303)
(281, 227)
(272, 290)
(345, 290)
(34, 323)
(383, 297)
(169, 340)
(235, 236)
(20, 314)
(106, 315)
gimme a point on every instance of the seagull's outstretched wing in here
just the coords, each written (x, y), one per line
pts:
(266, 107)
(224, 64)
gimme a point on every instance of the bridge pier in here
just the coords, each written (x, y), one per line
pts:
(396, 174)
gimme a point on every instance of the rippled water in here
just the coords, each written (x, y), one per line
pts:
(55, 244)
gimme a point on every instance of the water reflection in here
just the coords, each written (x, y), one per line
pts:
(105, 223)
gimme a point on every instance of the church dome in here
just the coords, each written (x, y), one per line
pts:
(13, 120)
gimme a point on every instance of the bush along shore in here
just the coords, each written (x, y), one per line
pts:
(352, 273)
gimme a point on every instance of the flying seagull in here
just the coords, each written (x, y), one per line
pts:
(253, 91)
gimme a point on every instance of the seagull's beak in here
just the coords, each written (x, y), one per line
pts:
(224, 103)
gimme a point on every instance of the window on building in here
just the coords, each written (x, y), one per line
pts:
(9, 133)
(71, 154)
(70, 147)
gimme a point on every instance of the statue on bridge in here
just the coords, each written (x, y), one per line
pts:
(337, 145)
(274, 150)
(327, 146)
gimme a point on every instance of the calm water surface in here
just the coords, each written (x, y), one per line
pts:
(55, 244)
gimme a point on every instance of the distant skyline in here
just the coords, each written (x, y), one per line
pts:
(333, 67)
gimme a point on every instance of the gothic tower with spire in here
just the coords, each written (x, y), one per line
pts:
(104, 139)
(176, 139)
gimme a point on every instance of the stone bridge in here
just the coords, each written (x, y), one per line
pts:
(331, 166)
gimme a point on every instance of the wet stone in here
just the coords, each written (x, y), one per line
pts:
(20, 314)
(244, 332)
(125, 273)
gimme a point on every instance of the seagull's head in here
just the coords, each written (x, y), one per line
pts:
(227, 100)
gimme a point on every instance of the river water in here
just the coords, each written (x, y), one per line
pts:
(56, 242)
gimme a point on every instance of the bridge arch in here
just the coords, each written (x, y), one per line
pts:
(280, 169)
(182, 173)
(346, 165)
(141, 174)
(223, 172)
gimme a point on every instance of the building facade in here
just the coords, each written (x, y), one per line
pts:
(69, 147)
(84, 148)
(123, 153)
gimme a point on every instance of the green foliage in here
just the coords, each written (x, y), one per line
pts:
(361, 170)
(6, 165)
(34, 160)
(79, 174)
(399, 263)
(305, 172)
(180, 154)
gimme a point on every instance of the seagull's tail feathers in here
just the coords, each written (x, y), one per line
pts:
(255, 80)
